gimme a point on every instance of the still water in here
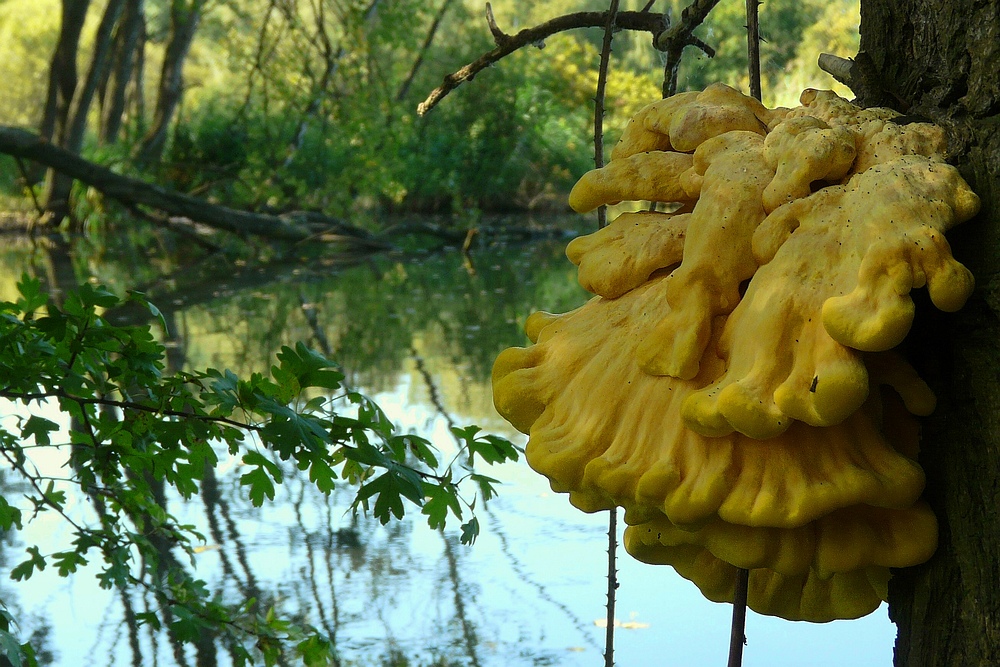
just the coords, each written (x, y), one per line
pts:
(417, 333)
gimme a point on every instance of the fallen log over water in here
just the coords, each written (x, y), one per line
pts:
(293, 226)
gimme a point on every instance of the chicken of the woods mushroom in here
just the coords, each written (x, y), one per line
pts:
(733, 384)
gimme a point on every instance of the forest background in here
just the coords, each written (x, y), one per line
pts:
(312, 105)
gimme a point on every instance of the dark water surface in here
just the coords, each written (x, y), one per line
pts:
(418, 333)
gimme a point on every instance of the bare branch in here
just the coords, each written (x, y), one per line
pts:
(679, 36)
(602, 80)
(638, 21)
(753, 47)
(692, 17)
(737, 636)
(609, 638)
(499, 36)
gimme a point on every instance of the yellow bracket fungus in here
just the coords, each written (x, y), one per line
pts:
(733, 384)
(628, 251)
(717, 251)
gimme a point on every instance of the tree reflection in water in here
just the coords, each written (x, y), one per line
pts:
(424, 333)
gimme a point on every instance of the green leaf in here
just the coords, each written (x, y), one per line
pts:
(367, 454)
(439, 501)
(39, 428)
(389, 490)
(308, 367)
(491, 448)
(99, 296)
(315, 651)
(9, 516)
(32, 297)
(423, 450)
(186, 626)
(485, 485)
(68, 561)
(24, 571)
(10, 649)
(260, 478)
(287, 430)
(470, 531)
(322, 474)
(140, 298)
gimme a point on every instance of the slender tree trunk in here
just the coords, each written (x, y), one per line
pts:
(419, 60)
(62, 68)
(937, 59)
(138, 88)
(62, 73)
(114, 92)
(184, 18)
(59, 186)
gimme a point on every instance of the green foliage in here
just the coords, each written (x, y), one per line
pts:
(303, 106)
(135, 431)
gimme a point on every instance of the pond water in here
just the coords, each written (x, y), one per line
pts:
(418, 333)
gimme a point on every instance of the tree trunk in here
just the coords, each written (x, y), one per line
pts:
(62, 72)
(937, 59)
(114, 91)
(184, 18)
(59, 186)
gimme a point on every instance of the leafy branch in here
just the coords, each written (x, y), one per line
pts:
(135, 431)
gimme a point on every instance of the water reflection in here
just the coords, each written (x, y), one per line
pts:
(418, 334)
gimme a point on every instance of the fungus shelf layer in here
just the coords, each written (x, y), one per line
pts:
(732, 384)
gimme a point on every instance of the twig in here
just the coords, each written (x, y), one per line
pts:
(499, 36)
(602, 81)
(508, 44)
(609, 641)
(27, 184)
(753, 47)
(679, 36)
(737, 637)
(127, 405)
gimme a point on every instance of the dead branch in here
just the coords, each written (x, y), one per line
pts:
(507, 44)
(753, 47)
(602, 80)
(678, 37)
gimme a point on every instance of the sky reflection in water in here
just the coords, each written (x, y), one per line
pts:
(419, 337)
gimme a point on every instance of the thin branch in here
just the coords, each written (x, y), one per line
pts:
(602, 81)
(753, 47)
(435, 24)
(508, 44)
(679, 36)
(43, 497)
(127, 405)
(737, 637)
(27, 184)
(499, 36)
(609, 641)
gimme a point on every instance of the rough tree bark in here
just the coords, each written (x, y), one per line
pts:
(937, 59)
